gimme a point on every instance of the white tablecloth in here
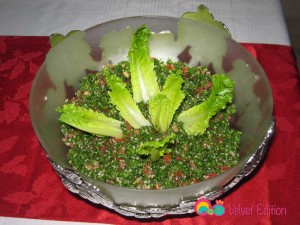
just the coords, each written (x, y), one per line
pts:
(252, 21)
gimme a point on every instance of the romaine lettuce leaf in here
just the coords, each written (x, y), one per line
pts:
(143, 78)
(196, 119)
(156, 149)
(163, 105)
(122, 99)
(90, 121)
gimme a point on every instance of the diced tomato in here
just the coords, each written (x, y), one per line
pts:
(179, 173)
(122, 164)
(185, 72)
(195, 180)
(211, 175)
(208, 85)
(170, 66)
(102, 148)
(122, 150)
(175, 128)
(128, 126)
(119, 140)
(104, 110)
(199, 90)
(192, 164)
(224, 168)
(70, 135)
(167, 158)
(219, 116)
(147, 170)
(178, 158)
(136, 131)
(221, 140)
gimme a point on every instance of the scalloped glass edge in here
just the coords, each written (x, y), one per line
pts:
(138, 211)
(203, 14)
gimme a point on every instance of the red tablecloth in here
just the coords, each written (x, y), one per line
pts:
(30, 188)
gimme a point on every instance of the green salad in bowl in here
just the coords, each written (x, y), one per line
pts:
(150, 124)
(145, 115)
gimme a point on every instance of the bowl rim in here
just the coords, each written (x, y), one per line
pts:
(249, 159)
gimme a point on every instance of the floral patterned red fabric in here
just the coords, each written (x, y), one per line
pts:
(30, 188)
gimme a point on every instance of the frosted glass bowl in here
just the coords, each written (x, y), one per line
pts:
(177, 39)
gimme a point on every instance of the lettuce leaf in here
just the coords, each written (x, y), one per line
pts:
(90, 121)
(163, 105)
(156, 149)
(143, 78)
(196, 119)
(122, 99)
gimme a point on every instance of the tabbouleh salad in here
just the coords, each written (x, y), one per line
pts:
(149, 124)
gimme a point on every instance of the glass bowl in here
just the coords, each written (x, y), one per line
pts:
(196, 43)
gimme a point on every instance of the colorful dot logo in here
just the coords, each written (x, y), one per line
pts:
(203, 207)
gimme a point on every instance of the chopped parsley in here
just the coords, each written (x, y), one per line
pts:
(185, 160)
